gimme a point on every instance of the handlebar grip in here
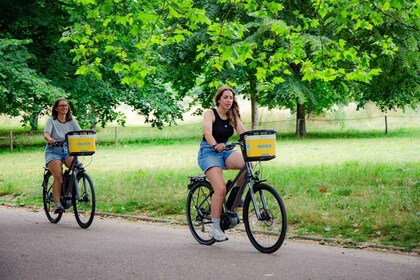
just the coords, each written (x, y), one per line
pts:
(230, 146)
(59, 143)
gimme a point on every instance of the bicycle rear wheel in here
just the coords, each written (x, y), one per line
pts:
(47, 197)
(198, 212)
(84, 205)
(268, 233)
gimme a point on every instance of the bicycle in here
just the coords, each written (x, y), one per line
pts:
(77, 188)
(264, 213)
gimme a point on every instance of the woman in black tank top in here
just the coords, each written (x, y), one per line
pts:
(222, 130)
(218, 126)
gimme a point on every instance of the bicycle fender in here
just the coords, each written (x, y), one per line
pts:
(195, 179)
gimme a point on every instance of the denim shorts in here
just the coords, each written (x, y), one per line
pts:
(208, 158)
(55, 153)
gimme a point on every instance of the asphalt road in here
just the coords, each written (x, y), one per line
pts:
(33, 248)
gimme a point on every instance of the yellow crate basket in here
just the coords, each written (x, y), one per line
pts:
(81, 142)
(259, 145)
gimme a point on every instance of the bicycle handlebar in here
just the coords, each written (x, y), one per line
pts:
(230, 146)
(58, 143)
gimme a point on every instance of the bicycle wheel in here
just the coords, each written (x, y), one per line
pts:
(47, 197)
(198, 212)
(268, 233)
(84, 205)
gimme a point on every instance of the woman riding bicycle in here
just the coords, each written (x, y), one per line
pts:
(219, 124)
(56, 152)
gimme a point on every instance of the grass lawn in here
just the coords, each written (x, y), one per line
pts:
(363, 187)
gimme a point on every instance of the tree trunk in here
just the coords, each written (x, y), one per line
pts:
(33, 121)
(300, 121)
(254, 110)
(254, 102)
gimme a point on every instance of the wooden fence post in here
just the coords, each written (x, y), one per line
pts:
(11, 139)
(116, 136)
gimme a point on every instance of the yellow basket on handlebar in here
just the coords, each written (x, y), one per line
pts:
(259, 145)
(81, 142)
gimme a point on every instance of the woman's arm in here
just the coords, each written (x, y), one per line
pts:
(76, 124)
(47, 132)
(208, 119)
(48, 138)
(240, 128)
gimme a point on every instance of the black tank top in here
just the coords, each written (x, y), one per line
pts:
(222, 130)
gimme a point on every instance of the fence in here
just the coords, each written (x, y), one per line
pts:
(117, 135)
(385, 123)
(9, 138)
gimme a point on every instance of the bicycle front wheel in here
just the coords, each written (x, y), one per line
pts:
(47, 197)
(84, 202)
(268, 231)
(198, 212)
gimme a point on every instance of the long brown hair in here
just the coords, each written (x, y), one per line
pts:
(233, 113)
(54, 113)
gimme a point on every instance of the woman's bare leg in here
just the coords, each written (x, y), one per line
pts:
(55, 166)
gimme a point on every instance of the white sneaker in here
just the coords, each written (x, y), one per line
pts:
(58, 208)
(217, 234)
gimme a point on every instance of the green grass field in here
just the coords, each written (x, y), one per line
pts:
(347, 179)
(360, 187)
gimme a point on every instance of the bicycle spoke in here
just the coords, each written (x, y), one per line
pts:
(267, 230)
(198, 212)
(48, 201)
(84, 201)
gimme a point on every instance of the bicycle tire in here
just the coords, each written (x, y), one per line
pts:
(47, 197)
(198, 212)
(266, 235)
(84, 206)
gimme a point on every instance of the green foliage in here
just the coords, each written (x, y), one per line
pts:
(153, 54)
(22, 89)
(307, 52)
(33, 75)
(109, 40)
(398, 85)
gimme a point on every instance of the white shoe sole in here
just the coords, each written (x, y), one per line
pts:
(218, 240)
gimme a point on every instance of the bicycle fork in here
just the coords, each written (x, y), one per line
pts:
(254, 201)
(75, 184)
(76, 189)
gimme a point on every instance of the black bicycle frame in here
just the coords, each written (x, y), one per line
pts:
(75, 169)
(250, 179)
(247, 168)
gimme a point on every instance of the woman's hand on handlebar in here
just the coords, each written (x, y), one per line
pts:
(224, 147)
(219, 147)
(51, 142)
(230, 146)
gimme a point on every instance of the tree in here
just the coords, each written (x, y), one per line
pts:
(36, 69)
(301, 55)
(299, 47)
(398, 85)
(109, 38)
(361, 35)
(22, 90)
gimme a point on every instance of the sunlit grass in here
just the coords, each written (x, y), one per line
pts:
(350, 200)
(346, 179)
(363, 189)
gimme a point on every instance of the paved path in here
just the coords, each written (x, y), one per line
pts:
(33, 248)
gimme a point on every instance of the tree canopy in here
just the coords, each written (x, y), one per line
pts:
(302, 55)
(36, 69)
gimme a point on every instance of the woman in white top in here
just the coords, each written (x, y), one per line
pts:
(56, 152)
